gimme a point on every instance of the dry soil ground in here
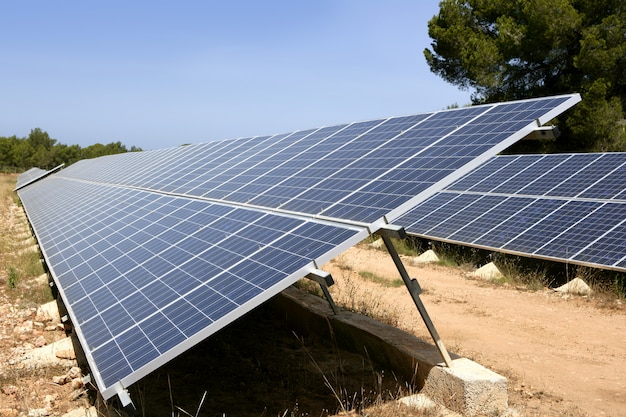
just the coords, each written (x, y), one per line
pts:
(562, 355)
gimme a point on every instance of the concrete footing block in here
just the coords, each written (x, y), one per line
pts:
(427, 257)
(489, 272)
(466, 388)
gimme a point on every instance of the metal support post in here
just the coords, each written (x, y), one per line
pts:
(325, 280)
(386, 233)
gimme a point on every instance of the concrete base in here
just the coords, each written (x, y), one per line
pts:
(427, 257)
(467, 388)
(488, 272)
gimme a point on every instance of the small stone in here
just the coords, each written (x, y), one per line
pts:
(40, 341)
(38, 412)
(576, 287)
(50, 401)
(75, 372)
(66, 354)
(61, 380)
(77, 383)
(25, 327)
(50, 328)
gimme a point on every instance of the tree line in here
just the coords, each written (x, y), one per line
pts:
(38, 149)
(515, 49)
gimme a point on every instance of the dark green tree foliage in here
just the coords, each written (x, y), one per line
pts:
(39, 150)
(514, 49)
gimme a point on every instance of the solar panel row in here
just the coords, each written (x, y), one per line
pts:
(33, 175)
(155, 251)
(357, 172)
(569, 207)
(143, 272)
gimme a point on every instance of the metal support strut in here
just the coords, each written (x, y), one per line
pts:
(325, 280)
(386, 233)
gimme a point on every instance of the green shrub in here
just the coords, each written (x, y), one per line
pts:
(12, 277)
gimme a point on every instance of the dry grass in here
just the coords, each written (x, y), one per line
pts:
(23, 287)
(383, 281)
(20, 258)
(530, 279)
(359, 299)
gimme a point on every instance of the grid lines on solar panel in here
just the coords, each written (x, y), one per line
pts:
(280, 166)
(610, 248)
(246, 176)
(209, 166)
(266, 169)
(487, 127)
(581, 234)
(213, 183)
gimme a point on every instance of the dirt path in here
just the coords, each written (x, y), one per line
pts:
(563, 356)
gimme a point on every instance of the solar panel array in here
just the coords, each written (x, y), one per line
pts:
(355, 172)
(565, 207)
(155, 251)
(144, 272)
(33, 175)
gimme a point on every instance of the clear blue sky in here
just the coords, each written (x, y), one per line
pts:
(158, 74)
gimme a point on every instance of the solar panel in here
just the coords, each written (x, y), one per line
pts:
(33, 175)
(155, 251)
(565, 207)
(357, 172)
(145, 274)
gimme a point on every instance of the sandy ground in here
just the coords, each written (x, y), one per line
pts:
(562, 355)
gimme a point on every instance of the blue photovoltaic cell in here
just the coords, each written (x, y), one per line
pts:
(553, 224)
(518, 223)
(587, 230)
(153, 251)
(462, 216)
(527, 170)
(424, 216)
(568, 207)
(480, 174)
(456, 214)
(491, 210)
(609, 250)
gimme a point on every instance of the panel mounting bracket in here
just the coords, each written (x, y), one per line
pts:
(393, 231)
(325, 280)
(543, 132)
(126, 401)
